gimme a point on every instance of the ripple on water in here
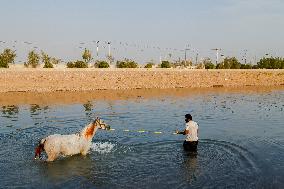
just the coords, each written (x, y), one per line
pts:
(151, 163)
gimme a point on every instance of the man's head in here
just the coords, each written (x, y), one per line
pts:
(188, 117)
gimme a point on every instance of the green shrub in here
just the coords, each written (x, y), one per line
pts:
(246, 66)
(6, 57)
(3, 63)
(87, 56)
(70, 65)
(271, 63)
(77, 64)
(229, 63)
(165, 64)
(149, 65)
(33, 59)
(209, 65)
(48, 65)
(127, 63)
(101, 64)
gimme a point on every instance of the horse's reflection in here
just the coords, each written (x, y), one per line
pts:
(67, 168)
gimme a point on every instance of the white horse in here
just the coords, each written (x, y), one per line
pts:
(66, 145)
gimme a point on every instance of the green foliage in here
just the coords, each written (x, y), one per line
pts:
(126, 63)
(48, 61)
(101, 64)
(229, 63)
(33, 59)
(255, 67)
(246, 66)
(149, 65)
(271, 63)
(200, 66)
(77, 64)
(48, 65)
(7, 57)
(70, 65)
(181, 64)
(207, 62)
(166, 64)
(87, 56)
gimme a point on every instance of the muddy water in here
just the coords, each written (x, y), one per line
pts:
(241, 142)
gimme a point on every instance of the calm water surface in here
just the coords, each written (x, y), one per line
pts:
(241, 143)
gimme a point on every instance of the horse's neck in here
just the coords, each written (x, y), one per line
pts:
(89, 130)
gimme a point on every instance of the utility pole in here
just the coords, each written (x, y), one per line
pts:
(217, 54)
(245, 56)
(185, 55)
(98, 49)
(196, 58)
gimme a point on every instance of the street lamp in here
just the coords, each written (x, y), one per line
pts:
(217, 54)
(98, 49)
(109, 48)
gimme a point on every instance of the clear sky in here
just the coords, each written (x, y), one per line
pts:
(144, 29)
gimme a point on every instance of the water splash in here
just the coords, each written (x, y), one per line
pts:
(102, 147)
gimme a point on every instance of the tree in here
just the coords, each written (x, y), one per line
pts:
(246, 66)
(271, 63)
(77, 64)
(200, 66)
(149, 65)
(207, 62)
(48, 61)
(126, 63)
(229, 63)
(33, 59)
(101, 64)
(182, 64)
(165, 64)
(87, 56)
(7, 57)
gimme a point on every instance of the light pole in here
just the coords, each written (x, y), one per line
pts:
(217, 54)
(109, 48)
(98, 49)
(185, 55)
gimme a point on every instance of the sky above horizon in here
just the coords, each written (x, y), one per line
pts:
(144, 30)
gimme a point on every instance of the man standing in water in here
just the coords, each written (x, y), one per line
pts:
(191, 132)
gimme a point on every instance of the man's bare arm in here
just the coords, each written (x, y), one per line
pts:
(185, 132)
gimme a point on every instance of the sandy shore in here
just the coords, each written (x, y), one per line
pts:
(51, 80)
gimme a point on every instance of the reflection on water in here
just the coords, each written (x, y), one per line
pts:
(36, 109)
(10, 110)
(241, 143)
(88, 106)
(190, 165)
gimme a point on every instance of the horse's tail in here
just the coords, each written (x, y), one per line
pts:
(39, 148)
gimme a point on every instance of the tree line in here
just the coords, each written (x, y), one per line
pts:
(34, 59)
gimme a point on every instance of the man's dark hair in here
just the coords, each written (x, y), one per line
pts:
(188, 116)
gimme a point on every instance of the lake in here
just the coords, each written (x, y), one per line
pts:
(241, 141)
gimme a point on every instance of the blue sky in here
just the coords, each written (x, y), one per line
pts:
(137, 28)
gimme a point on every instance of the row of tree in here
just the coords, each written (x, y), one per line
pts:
(233, 63)
(8, 57)
(34, 59)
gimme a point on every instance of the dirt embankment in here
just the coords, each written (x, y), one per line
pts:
(50, 80)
